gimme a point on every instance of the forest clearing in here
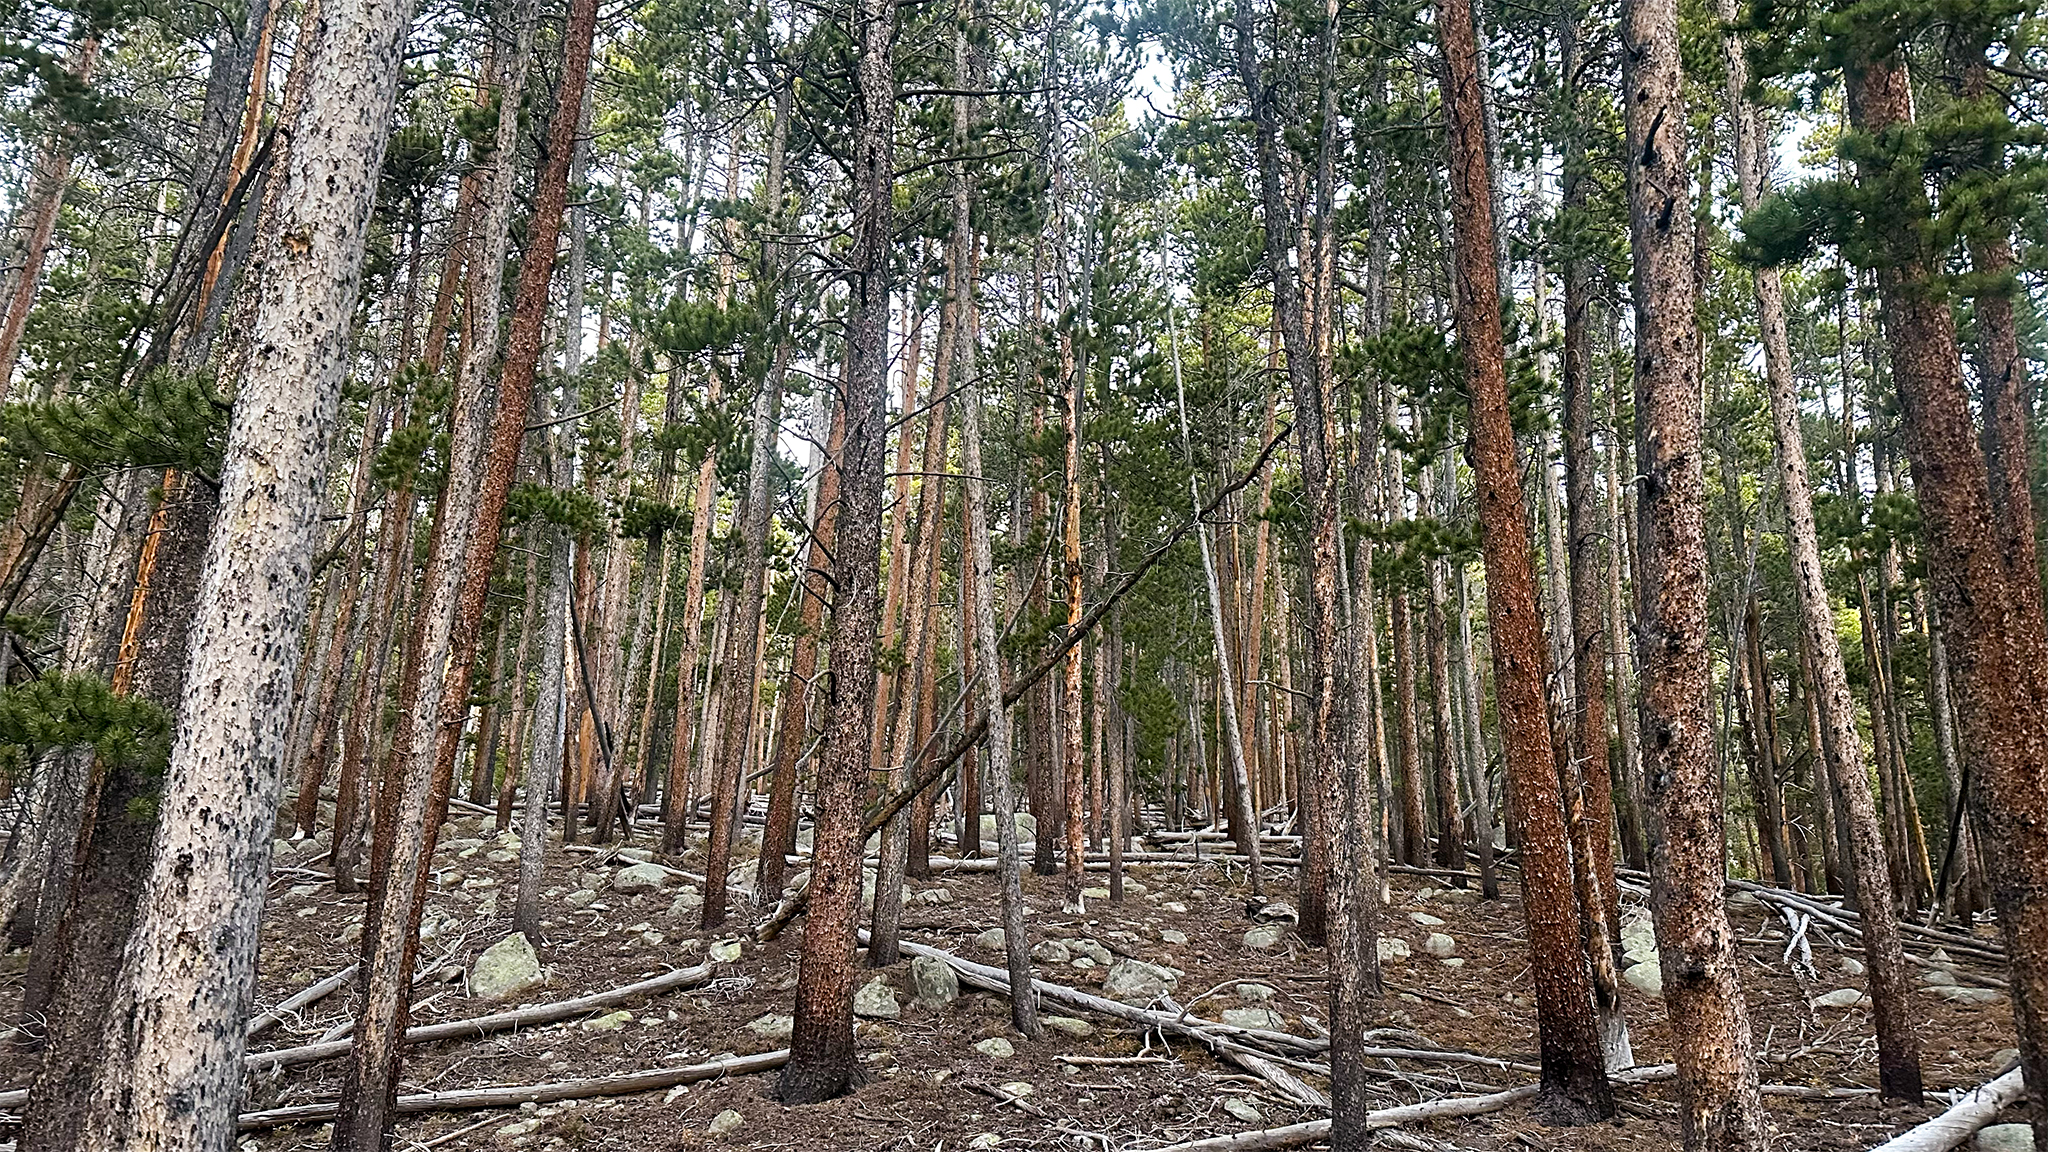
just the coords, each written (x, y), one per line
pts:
(1098, 575)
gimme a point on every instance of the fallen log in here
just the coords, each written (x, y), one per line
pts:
(484, 1025)
(513, 1095)
(267, 1020)
(1977, 1108)
(1296, 1135)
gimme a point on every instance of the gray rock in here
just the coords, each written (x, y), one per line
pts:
(726, 1123)
(1263, 937)
(1440, 945)
(1264, 1019)
(1425, 920)
(1957, 995)
(876, 1000)
(773, 1027)
(1176, 936)
(986, 1139)
(1852, 966)
(723, 952)
(1092, 950)
(1136, 982)
(1647, 978)
(935, 896)
(990, 941)
(1068, 1026)
(1255, 992)
(1839, 998)
(505, 969)
(1027, 827)
(1278, 912)
(641, 878)
(996, 1048)
(580, 898)
(1242, 1109)
(1393, 950)
(932, 982)
(2004, 1138)
(636, 855)
(1051, 952)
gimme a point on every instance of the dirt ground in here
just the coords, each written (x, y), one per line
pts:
(928, 1087)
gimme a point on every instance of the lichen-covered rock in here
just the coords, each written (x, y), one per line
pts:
(772, 1027)
(996, 1048)
(726, 1123)
(505, 969)
(1393, 950)
(1263, 1019)
(876, 1000)
(1647, 978)
(2005, 1138)
(1440, 945)
(1839, 998)
(641, 878)
(1051, 952)
(1136, 982)
(609, 1022)
(991, 940)
(1264, 937)
(1068, 1026)
(933, 983)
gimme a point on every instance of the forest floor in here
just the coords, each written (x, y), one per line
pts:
(927, 1084)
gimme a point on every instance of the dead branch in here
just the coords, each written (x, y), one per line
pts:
(1978, 1107)
(511, 1096)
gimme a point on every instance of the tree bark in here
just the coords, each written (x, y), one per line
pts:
(1721, 1108)
(1574, 1079)
(1993, 634)
(189, 972)
(821, 1063)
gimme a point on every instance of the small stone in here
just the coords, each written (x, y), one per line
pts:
(1454, 962)
(1095, 893)
(502, 855)
(518, 1128)
(652, 939)
(1940, 958)
(609, 1022)
(996, 1048)
(1018, 1088)
(1255, 992)
(876, 1000)
(1136, 982)
(1242, 1109)
(686, 903)
(726, 1123)
(723, 952)
(935, 896)
(989, 941)
(1068, 1026)
(772, 1027)
(1265, 937)
(1051, 952)
(1426, 920)
(641, 878)
(1647, 978)
(1393, 950)
(2005, 1138)
(505, 969)
(1262, 1019)
(1973, 996)
(1175, 907)
(1084, 962)
(1851, 966)
(580, 898)
(933, 983)
(1440, 945)
(636, 855)
(986, 1139)
(1839, 998)
(1277, 912)
(1173, 936)
(1938, 978)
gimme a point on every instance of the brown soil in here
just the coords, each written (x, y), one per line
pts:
(928, 1088)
